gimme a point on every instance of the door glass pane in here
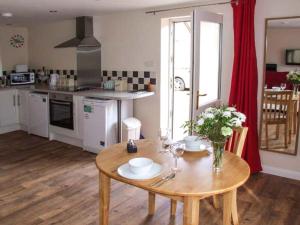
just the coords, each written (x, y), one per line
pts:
(209, 62)
(181, 77)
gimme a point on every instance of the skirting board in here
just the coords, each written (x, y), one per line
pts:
(65, 139)
(10, 128)
(281, 172)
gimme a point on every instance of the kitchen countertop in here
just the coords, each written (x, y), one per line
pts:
(95, 93)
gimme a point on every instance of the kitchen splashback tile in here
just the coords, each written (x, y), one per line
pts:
(137, 80)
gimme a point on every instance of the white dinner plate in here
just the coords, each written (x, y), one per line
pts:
(198, 149)
(205, 145)
(125, 171)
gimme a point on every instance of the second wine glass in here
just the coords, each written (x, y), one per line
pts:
(177, 150)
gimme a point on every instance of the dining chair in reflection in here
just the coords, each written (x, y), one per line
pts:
(277, 111)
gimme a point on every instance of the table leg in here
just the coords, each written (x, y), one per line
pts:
(151, 203)
(191, 211)
(235, 217)
(104, 195)
(227, 207)
(173, 207)
(216, 201)
(295, 118)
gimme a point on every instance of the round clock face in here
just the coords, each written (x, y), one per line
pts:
(17, 41)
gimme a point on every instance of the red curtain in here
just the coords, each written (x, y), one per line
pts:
(243, 93)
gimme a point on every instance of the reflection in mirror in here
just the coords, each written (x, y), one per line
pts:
(280, 103)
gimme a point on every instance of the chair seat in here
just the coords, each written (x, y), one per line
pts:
(276, 121)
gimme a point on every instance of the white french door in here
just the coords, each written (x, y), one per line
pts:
(206, 60)
(194, 66)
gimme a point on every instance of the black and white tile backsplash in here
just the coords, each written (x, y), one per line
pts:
(137, 80)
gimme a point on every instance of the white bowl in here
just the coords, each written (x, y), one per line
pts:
(191, 138)
(192, 142)
(140, 165)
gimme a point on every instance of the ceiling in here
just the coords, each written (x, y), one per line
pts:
(285, 23)
(29, 11)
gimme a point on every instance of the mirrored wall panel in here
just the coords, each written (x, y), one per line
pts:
(280, 103)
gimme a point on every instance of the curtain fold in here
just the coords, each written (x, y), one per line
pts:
(243, 92)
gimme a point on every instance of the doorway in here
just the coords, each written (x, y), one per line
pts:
(191, 49)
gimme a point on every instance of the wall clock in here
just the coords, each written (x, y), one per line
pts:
(17, 41)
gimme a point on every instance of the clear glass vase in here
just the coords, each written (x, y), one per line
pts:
(218, 147)
(295, 88)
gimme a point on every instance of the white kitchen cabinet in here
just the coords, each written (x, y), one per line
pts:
(23, 108)
(8, 108)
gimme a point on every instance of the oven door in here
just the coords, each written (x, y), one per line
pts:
(61, 114)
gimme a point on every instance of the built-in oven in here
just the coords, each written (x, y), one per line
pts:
(21, 78)
(61, 110)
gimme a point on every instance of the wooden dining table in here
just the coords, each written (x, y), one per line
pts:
(195, 181)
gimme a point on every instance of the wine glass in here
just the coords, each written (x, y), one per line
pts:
(283, 86)
(177, 150)
(164, 135)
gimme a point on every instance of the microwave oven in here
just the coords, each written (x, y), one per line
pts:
(21, 78)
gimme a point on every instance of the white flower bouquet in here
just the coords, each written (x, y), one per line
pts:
(294, 76)
(217, 123)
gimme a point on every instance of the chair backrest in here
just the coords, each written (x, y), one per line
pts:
(236, 142)
(277, 104)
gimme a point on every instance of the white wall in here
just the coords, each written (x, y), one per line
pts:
(43, 38)
(274, 162)
(280, 39)
(10, 56)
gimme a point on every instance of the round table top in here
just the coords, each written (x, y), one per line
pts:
(196, 177)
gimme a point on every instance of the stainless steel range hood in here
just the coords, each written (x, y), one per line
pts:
(84, 34)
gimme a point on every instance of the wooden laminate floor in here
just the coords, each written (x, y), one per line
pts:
(277, 144)
(45, 183)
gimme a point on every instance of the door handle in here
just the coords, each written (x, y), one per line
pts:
(19, 102)
(197, 99)
(60, 103)
(14, 100)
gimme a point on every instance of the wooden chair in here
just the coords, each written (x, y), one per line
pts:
(277, 111)
(235, 144)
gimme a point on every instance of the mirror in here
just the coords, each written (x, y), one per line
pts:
(279, 126)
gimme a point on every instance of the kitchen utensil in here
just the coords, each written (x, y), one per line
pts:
(121, 85)
(164, 179)
(54, 78)
(109, 85)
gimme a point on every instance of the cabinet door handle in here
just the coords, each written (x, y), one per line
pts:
(14, 100)
(19, 102)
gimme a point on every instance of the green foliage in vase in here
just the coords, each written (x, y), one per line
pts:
(216, 124)
(294, 77)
